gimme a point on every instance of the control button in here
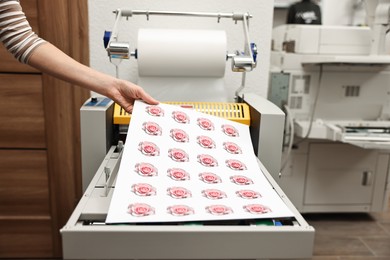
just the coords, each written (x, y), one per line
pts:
(94, 100)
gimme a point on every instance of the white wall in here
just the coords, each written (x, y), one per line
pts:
(346, 12)
(334, 12)
(101, 18)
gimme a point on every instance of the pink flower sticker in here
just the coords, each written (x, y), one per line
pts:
(248, 194)
(154, 111)
(146, 169)
(230, 130)
(207, 160)
(180, 210)
(241, 180)
(178, 174)
(256, 209)
(219, 210)
(179, 192)
(235, 165)
(205, 124)
(180, 117)
(151, 128)
(205, 142)
(179, 135)
(213, 194)
(232, 148)
(178, 155)
(140, 210)
(149, 149)
(143, 189)
(209, 177)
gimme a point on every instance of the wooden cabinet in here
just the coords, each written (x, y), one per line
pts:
(40, 173)
(25, 218)
(24, 189)
(26, 237)
(25, 215)
(22, 116)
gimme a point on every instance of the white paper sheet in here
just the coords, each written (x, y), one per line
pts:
(182, 165)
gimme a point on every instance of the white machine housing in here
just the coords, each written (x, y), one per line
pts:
(338, 95)
(86, 236)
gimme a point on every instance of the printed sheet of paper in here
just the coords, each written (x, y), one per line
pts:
(182, 165)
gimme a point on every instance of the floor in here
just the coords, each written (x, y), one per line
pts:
(351, 236)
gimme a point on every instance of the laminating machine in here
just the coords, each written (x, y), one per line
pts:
(103, 130)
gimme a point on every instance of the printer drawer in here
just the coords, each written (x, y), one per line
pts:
(86, 236)
(340, 174)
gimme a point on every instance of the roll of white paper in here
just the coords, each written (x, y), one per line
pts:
(163, 52)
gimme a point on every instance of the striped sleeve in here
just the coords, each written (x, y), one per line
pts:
(15, 31)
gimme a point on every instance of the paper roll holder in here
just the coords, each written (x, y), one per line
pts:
(241, 61)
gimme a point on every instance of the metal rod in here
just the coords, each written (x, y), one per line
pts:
(241, 88)
(114, 34)
(248, 48)
(234, 16)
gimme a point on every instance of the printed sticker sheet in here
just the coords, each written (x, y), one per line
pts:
(182, 165)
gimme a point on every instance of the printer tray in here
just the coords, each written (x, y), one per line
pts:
(86, 236)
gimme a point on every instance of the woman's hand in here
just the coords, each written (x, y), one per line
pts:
(125, 93)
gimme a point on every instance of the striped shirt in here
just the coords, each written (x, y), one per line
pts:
(15, 31)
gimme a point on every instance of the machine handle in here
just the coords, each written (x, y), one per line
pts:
(254, 51)
(107, 173)
(367, 178)
(106, 38)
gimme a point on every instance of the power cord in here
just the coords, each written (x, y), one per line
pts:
(314, 108)
(290, 118)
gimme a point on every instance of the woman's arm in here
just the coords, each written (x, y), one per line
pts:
(49, 59)
(19, 39)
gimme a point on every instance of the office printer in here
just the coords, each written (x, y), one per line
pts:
(103, 130)
(333, 83)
